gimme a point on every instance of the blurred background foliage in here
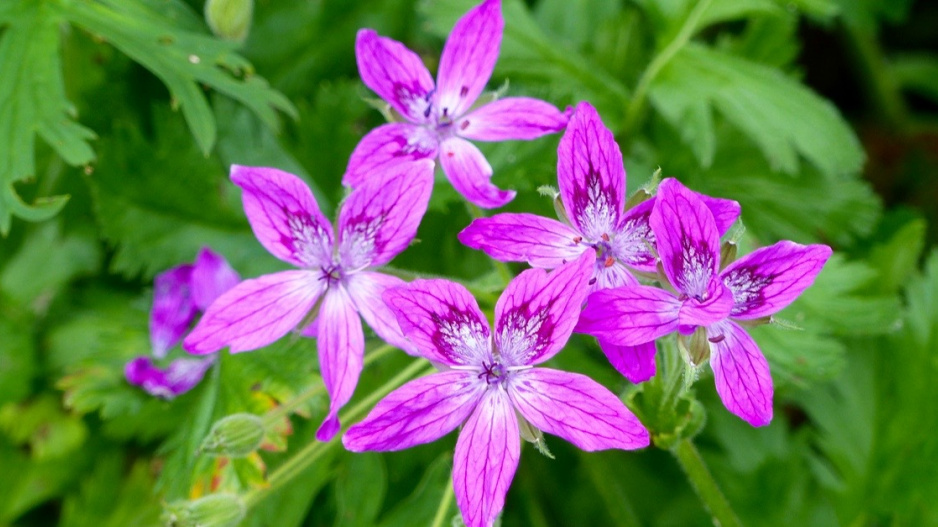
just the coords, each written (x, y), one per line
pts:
(119, 118)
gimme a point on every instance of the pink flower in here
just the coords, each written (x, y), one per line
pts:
(179, 294)
(376, 222)
(755, 286)
(440, 117)
(489, 379)
(592, 190)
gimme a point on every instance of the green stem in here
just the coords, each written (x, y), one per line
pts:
(704, 485)
(303, 459)
(637, 104)
(441, 512)
(318, 388)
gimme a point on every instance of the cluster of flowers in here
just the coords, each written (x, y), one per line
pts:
(490, 382)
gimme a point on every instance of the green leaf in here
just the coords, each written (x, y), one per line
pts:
(897, 259)
(182, 59)
(17, 359)
(112, 496)
(780, 115)
(32, 102)
(358, 503)
(421, 506)
(918, 73)
(43, 427)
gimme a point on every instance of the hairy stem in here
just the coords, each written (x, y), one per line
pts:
(439, 519)
(637, 104)
(303, 459)
(704, 485)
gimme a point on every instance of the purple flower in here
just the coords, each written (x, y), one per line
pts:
(488, 380)
(441, 117)
(755, 286)
(376, 222)
(179, 294)
(592, 190)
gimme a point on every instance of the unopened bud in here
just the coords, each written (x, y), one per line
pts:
(697, 346)
(214, 510)
(229, 19)
(533, 435)
(234, 436)
(728, 252)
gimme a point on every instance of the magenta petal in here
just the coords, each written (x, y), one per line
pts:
(395, 73)
(511, 118)
(469, 172)
(629, 316)
(211, 276)
(635, 363)
(173, 308)
(576, 408)
(443, 321)
(590, 174)
(511, 237)
(421, 411)
(387, 145)
(634, 241)
(768, 279)
(469, 57)
(379, 219)
(341, 345)
(725, 211)
(485, 460)
(741, 373)
(255, 312)
(688, 240)
(365, 289)
(611, 276)
(284, 215)
(536, 313)
(714, 306)
(179, 377)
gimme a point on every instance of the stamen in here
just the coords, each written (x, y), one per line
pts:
(464, 125)
(605, 237)
(592, 281)
(609, 261)
(577, 239)
(464, 91)
(716, 339)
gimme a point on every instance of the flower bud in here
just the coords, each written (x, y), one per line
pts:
(697, 346)
(229, 19)
(214, 510)
(533, 435)
(235, 436)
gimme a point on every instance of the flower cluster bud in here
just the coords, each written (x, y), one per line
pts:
(229, 19)
(236, 435)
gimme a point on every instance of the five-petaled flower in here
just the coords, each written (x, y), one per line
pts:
(440, 117)
(489, 379)
(592, 185)
(377, 221)
(179, 294)
(708, 300)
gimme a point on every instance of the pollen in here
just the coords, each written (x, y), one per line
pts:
(577, 239)
(609, 261)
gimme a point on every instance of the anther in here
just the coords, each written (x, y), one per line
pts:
(605, 237)
(716, 339)
(609, 261)
(464, 125)
(577, 239)
(592, 281)
(464, 91)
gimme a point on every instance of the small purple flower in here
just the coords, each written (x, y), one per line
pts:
(592, 190)
(488, 380)
(755, 286)
(441, 117)
(179, 294)
(376, 222)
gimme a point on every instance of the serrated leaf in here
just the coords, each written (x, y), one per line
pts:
(782, 117)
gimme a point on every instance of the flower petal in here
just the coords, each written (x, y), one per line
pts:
(511, 237)
(635, 363)
(688, 240)
(629, 316)
(379, 219)
(486, 459)
(470, 173)
(469, 57)
(211, 276)
(284, 215)
(179, 377)
(634, 241)
(590, 174)
(341, 345)
(173, 308)
(255, 312)
(725, 211)
(388, 145)
(421, 411)
(741, 373)
(768, 279)
(511, 118)
(395, 73)
(442, 320)
(365, 289)
(576, 408)
(611, 276)
(536, 313)
(715, 306)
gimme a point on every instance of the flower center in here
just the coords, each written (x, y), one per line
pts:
(604, 256)
(332, 274)
(493, 372)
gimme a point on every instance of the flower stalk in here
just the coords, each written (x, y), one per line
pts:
(706, 488)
